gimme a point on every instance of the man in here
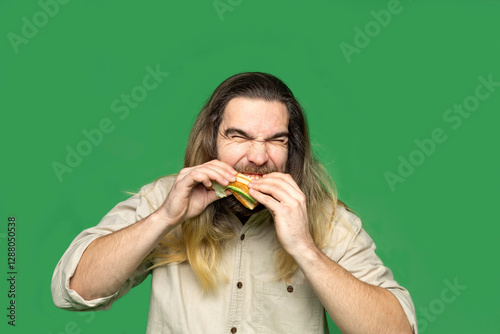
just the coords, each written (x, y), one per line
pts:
(219, 267)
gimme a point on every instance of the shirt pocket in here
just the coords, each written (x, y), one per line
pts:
(287, 308)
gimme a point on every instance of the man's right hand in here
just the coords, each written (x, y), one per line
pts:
(189, 196)
(125, 249)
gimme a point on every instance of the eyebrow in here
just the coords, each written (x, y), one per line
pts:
(232, 131)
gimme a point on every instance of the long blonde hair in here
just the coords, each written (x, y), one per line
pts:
(201, 240)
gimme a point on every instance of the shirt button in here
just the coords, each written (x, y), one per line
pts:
(242, 237)
(233, 330)
(239, 285)
(289, 288)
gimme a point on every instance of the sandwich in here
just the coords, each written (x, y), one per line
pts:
(239, 189)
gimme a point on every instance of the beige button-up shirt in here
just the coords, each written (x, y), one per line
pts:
(250, 300)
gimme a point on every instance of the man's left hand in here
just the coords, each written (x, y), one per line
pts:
(280, 194)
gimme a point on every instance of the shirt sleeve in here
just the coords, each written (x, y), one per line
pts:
(126, 213)
(354, 250)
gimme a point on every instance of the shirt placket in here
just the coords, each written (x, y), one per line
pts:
(238, 282)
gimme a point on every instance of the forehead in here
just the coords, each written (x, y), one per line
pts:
(255, 115)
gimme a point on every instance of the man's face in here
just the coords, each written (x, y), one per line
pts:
(253, 135)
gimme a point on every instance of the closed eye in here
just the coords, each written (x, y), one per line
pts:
(279, 138)
(238, 138)
(236, 134)
(239, 135)
(279, 141)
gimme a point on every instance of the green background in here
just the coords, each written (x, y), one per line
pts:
(365, 111)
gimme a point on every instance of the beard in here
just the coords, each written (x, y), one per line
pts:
(231, 204)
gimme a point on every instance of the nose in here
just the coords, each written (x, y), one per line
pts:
(257, 154)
